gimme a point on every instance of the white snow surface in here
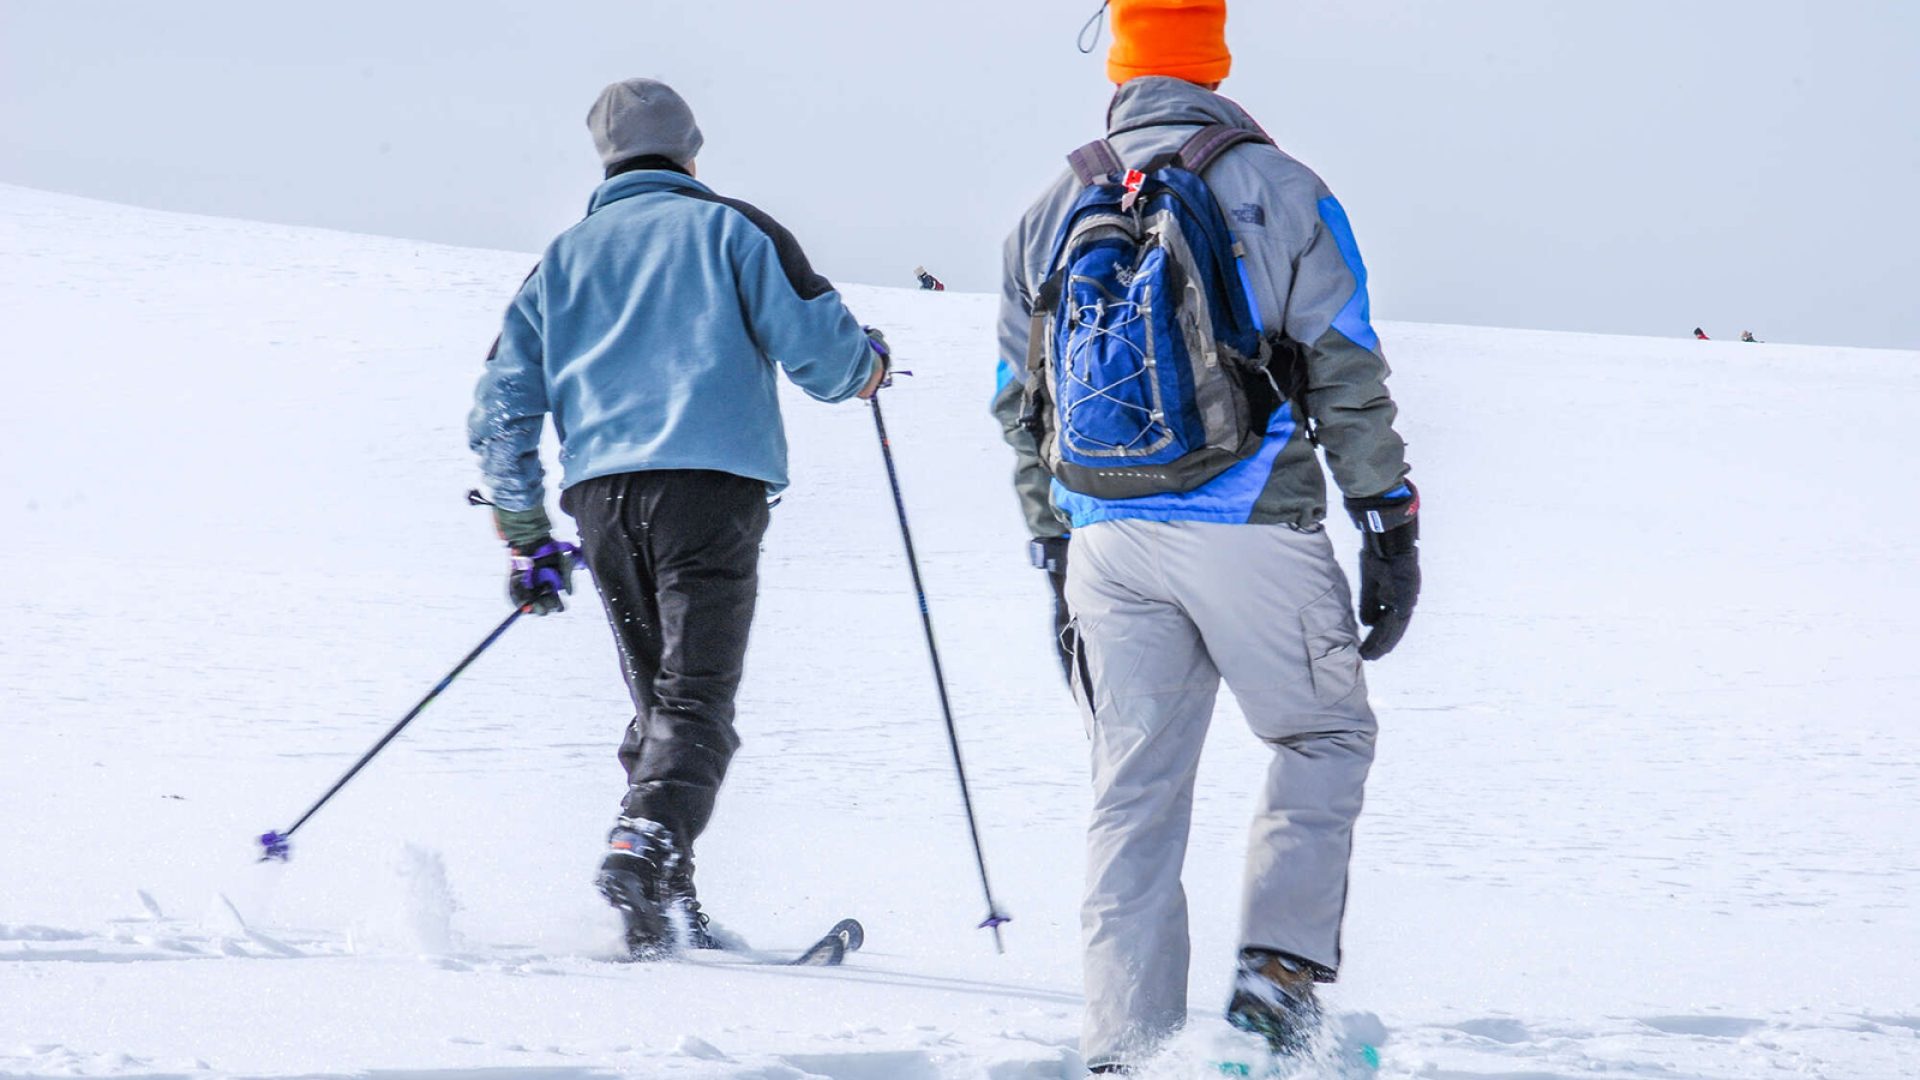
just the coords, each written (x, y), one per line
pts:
(1645, 803)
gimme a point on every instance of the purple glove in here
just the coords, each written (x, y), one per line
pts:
(541, 572)
(880, 347)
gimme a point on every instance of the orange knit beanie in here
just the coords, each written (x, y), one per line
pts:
(1186, 39)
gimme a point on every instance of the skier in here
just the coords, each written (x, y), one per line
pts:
(1699, 334)
(927, 281)
(1174, 586)
(651, 331)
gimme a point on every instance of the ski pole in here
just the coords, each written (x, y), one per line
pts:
(275, 844)
(994, 918)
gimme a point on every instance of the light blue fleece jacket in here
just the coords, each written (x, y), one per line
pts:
(650, 331)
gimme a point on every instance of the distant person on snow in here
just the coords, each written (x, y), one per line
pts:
(1747, 335)
(1212, 564)
(928, 281)
(652, 331)
(1700, 334)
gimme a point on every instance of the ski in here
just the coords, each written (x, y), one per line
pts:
(831, 950)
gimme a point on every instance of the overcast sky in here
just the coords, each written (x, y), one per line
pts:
(1628, 166)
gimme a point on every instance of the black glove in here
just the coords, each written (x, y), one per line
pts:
(1389, 566)
(1050, 554)
(542, 567)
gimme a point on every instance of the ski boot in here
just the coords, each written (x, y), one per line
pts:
(690, 925)
(635, 877)
(1273, 998)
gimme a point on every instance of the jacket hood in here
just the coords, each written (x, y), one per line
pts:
(1155, 100)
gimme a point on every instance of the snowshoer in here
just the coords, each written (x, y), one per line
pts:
(1700, 334)
(652, 331)
(1194, 499)
(928, 281)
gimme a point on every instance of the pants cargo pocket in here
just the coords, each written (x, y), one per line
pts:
(1333, 647)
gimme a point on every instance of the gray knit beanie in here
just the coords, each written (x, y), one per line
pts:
(642, 117)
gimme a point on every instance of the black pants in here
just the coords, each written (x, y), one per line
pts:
(676, 556)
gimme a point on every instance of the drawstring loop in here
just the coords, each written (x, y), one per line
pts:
(1088, 44)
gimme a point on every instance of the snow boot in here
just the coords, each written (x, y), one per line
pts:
(1273, 998)
(650, 881)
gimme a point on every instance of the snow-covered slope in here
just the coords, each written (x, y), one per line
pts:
(1644, 805)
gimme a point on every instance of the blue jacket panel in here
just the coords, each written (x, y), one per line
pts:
(651, 331)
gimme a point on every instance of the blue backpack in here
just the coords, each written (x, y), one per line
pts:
(1144, 359)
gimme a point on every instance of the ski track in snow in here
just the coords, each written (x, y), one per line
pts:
(1643, 806)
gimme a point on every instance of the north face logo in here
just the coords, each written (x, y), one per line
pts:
(1249, 214)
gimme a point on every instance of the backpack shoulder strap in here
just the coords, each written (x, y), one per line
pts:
(1205, 146)
(1095, 162)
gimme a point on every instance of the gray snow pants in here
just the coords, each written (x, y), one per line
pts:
(1165, 611)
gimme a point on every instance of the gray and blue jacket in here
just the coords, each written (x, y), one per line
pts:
(651, 331)
(1305, 274)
